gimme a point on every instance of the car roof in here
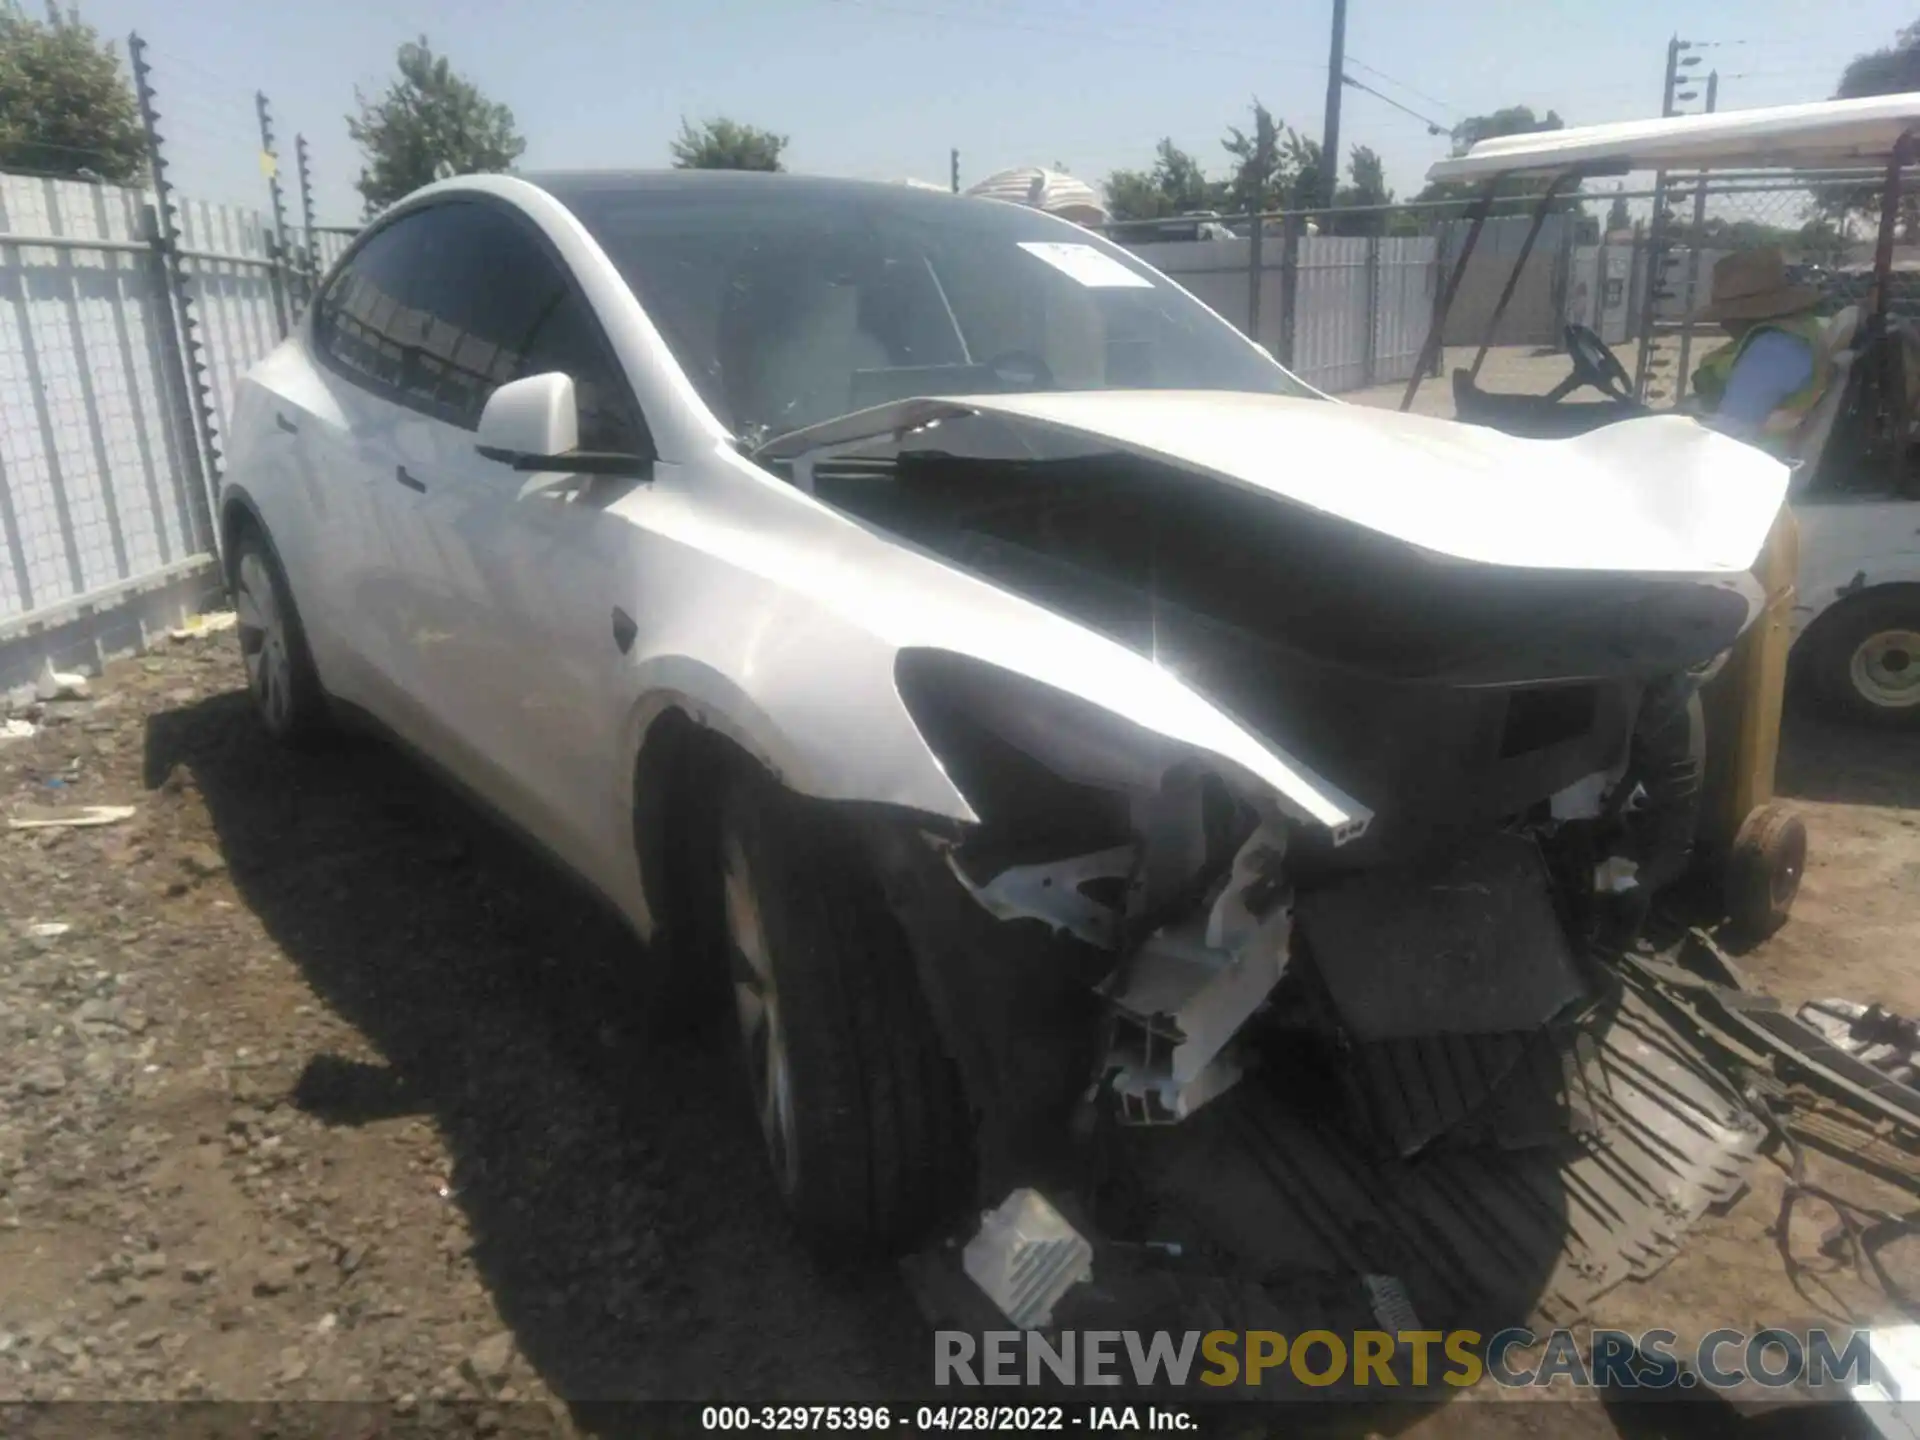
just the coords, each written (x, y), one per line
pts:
(1828, 133)
(565, 185)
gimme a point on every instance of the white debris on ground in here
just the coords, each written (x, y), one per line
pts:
(80, 818)
(1026, 1257)
(1870, 1033)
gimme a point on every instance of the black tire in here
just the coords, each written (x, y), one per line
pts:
(871, 1150)
(1866, 659)
(286, 690)
(1764, 869)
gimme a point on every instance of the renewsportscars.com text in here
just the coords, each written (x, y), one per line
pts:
(1615, 1359)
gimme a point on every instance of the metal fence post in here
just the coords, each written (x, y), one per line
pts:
(311, 249)
(277, 242)
(1442, 268)
(197, 385)
(1289, 283)
(1253, 276)
(1372, 353)
(179, 407)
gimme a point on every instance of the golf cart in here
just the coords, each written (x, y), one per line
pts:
(1841, 570)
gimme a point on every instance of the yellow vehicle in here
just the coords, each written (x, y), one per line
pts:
(1841, 592)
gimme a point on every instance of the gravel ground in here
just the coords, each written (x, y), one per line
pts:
(326, 1089)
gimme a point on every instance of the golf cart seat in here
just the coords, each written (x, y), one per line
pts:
(1837, 352)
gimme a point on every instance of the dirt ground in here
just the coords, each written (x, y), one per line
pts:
(328, 1090)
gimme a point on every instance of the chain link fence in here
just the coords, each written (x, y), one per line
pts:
(1824, 224)
(1346, 298)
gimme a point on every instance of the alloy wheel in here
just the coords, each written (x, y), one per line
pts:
(263, 642)
(757, 1006)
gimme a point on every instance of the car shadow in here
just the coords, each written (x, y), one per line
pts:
(611, 1178)
(609, 1169)
(1847, 764)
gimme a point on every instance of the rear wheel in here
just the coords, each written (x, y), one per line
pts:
(280, 674)
(858, 1106)
(1867, 659)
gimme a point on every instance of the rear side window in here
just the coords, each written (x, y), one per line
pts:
(447, 304)
(362, 323)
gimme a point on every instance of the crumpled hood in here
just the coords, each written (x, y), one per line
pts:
(1657, 495)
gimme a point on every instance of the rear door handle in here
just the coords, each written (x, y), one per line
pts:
(285, 424)
(400, 474)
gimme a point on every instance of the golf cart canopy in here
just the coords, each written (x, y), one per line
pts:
(1827, 134)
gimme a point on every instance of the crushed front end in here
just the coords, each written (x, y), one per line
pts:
(1388, 1060)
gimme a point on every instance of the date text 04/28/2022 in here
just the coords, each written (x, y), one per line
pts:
(987, 1419)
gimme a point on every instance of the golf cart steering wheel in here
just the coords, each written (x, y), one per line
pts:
(1595, 364)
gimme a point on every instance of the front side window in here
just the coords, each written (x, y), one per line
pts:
(787, 305)
(446, 304)
(568, 339)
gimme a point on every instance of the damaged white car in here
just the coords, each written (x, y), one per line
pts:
(1093, 752)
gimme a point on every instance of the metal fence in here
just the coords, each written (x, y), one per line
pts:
(1349, 311)
(1825, 225)
(106, 477)
(127, 317)
(1339, 311)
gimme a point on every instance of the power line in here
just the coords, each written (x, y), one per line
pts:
(1376, 71)
(1434, 127)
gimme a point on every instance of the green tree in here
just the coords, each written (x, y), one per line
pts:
(431, 122)
(1366, 185)
(65, 107)
(1617, 216)
(1275, 167)
(724, 144)
(1367, 179)
(1892, 70)
(1176, 185)
(1258, 163)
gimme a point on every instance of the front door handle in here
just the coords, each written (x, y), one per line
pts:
(285, 424)
(400, 474)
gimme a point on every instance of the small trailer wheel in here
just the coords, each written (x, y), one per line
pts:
(1763, 871)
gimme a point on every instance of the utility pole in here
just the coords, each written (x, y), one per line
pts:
(953, 169)
(1336, 81)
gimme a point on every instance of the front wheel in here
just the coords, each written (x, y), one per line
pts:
(859, 1107)
(280, 674)
(1867, 659)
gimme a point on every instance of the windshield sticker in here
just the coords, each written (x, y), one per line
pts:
(1087, 265)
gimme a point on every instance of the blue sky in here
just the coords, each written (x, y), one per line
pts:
(882, 88)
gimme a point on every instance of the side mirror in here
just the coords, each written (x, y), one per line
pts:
(534, 418)
(533, 425)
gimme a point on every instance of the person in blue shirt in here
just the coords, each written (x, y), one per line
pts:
(1763, 382)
